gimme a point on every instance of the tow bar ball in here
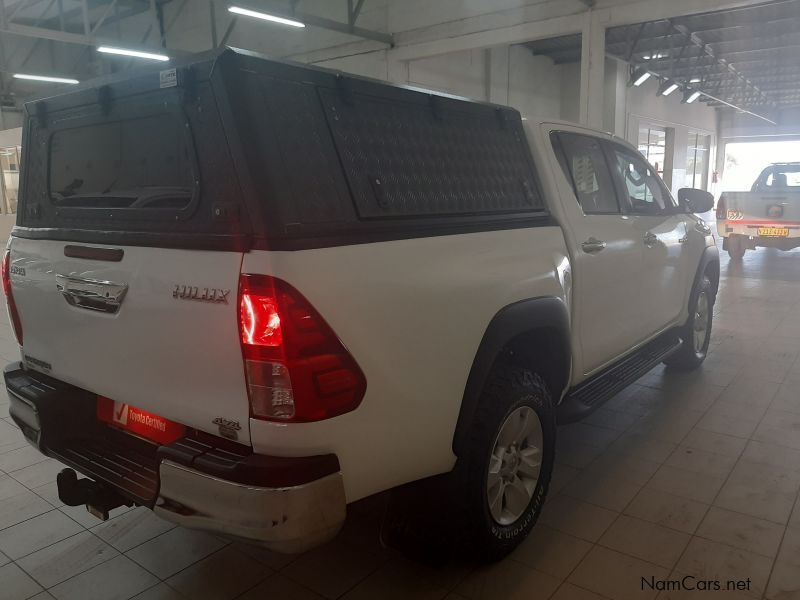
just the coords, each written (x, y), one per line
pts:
(98, 498)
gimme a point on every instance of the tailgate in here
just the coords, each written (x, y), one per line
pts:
(764, 209)
(168, 343)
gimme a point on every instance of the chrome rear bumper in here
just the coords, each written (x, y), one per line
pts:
(289, 519)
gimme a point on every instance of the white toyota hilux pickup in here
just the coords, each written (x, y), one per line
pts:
(767, 216)
(248, 293)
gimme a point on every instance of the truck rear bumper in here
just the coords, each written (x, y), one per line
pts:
(290, 519)
(286, 504)
(751, 242)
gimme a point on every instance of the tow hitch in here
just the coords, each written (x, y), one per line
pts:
(98, 498)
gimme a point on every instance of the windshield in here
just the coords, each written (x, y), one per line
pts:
(135, 163)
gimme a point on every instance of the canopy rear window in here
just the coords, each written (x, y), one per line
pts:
(141, 163)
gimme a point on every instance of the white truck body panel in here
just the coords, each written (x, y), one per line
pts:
(398, 307)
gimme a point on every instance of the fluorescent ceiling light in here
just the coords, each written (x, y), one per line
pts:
(691, 96)
(238, 10)
(667, 88)
(694, 80)
(639, 77)
(44, 78)
(136, 53)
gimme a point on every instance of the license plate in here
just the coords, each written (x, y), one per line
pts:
(137, 421)
(773, 231)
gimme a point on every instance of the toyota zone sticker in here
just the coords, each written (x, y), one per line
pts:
(137, 421)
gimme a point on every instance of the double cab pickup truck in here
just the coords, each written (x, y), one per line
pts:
(248, 293)
(766, 216)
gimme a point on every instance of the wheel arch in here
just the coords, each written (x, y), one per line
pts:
(709, 266)
(530, 333)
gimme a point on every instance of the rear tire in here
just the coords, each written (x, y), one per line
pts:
(504, 472)
(736, 248)
(696, 333)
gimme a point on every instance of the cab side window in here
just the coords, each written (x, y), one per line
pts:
(646, 193)
(585, 166)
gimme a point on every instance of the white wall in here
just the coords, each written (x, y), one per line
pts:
(10, 119)
(460, 73)
(644, 106)
(11, 137)
(534, 84)
(509, 75)
(570, 92)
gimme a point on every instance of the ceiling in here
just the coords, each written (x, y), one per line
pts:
(746, 57)
(60, 37)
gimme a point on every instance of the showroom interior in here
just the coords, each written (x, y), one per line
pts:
(691, 474)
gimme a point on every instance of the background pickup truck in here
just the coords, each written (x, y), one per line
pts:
(767, 216)
(263, 291)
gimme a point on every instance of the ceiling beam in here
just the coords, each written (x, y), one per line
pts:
(349, 28)
(697, 41)
(71, 38)
(741, 38)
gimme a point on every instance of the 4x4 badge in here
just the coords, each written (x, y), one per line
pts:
(189, 292)
(228, 428)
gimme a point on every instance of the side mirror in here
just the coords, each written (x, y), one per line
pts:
(696, 201)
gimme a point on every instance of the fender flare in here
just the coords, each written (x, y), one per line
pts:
(710, 256)
(523, 317)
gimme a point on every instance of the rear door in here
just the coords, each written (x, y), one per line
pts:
(123, 273)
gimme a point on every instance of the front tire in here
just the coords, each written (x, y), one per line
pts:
(505, 470)
(696, 333)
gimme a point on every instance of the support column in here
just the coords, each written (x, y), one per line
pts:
(396, 70)
(615, 98)
(497, 74)
(593, 61)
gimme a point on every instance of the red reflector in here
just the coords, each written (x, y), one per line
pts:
(335, 381)
(135, 420)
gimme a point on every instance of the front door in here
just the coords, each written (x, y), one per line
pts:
(606, 248)
(663, 234)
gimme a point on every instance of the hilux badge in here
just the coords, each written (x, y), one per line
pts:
(190, 292)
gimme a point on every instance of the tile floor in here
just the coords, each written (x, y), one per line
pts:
(695, 474)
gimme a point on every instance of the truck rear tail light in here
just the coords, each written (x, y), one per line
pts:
(296, 367)
(722, 208)
(13, 314)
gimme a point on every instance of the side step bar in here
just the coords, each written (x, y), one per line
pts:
(598, 389)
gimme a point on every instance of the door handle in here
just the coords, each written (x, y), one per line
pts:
(92, 294)
(593, 246)
(650, 239)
